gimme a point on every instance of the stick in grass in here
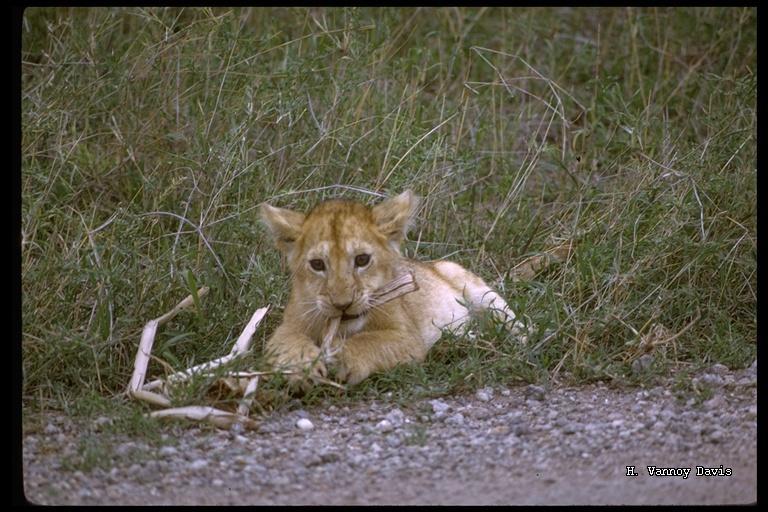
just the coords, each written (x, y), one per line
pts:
(244, 341)
(241, 347)
(248, 396)
(218, 417)
(148, 338)
(153, 398)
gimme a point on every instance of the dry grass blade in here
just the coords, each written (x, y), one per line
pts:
(529, 267)
(660, 336)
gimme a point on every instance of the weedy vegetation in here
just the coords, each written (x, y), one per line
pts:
(149, 137)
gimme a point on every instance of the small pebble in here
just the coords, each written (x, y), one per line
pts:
(642, 364)
(521, 430)
(384, 426)
(304, 424)
(570, 428)
(198, 464)
(483, 396)
(101, 422)
(394, 441)
(714, 403)
(438, 406)
(535, 392)
(715, 436)
(167, 451)
(747, 382)
(396, 417)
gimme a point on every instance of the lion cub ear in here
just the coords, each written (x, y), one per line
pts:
(283, 224)
(394, 216)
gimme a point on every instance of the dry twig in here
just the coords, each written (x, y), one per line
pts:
(218, 417)
(148, 338)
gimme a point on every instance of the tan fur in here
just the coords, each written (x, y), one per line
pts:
(398, 331)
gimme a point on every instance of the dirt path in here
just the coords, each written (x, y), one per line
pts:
(521, 445)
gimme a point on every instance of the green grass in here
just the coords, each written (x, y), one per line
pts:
(151, 135)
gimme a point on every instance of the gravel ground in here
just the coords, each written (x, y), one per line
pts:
(522, 445)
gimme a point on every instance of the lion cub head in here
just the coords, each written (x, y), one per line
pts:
(340, 252)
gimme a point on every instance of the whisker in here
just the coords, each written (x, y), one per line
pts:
(314, 312)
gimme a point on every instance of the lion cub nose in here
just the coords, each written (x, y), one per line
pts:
(341, 307)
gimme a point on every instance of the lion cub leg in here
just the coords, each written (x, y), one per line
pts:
(485, 298)
(479, 296)
(368, 352)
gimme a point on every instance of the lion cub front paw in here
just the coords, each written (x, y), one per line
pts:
(351, 370)
(306, 366)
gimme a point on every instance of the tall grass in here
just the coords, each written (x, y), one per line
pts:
(151, 135)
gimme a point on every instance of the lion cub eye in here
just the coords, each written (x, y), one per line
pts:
(317, 265)
(362, 260)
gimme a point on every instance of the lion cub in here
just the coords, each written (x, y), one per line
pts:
(339, 254)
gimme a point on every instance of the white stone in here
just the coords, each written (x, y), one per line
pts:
(305, 424)
(198, 464)
(439, 406)
(483, 396)
(168, 450)
(396, 417)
